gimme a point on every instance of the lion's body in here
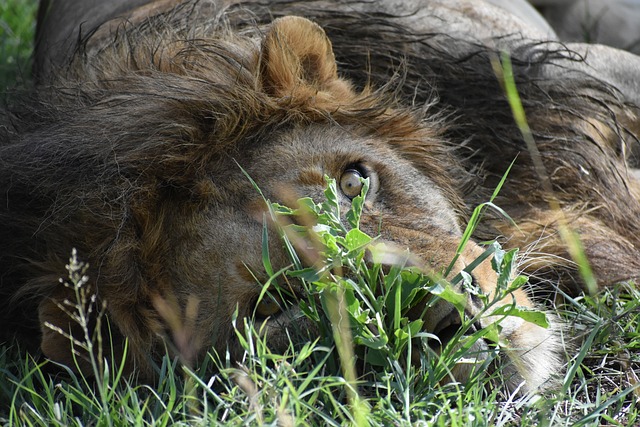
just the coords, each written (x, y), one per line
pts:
(132, 151)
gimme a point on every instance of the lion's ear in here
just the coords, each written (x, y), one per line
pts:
(298, 63)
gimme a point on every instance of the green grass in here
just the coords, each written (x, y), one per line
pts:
(17, 27)
(318, 383)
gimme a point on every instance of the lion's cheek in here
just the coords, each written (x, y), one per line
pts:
(207, 307)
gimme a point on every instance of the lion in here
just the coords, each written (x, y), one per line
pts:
(148, 116)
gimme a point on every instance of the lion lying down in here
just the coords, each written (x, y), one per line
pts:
(145, 115)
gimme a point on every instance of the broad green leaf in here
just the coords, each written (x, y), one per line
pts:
(530, 315)
(447, 293)
(356, 239)
(308, 274)
(415, 327)
(376, 357)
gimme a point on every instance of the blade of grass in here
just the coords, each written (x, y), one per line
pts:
(504, 71)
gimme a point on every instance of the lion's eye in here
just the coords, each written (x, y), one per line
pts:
(350, 183)
(268, 306)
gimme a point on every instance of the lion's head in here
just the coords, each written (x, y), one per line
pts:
(142, 160)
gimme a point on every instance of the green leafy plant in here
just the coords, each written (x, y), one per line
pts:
(371, 307)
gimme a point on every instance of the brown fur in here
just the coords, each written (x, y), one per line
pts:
(130, 154)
